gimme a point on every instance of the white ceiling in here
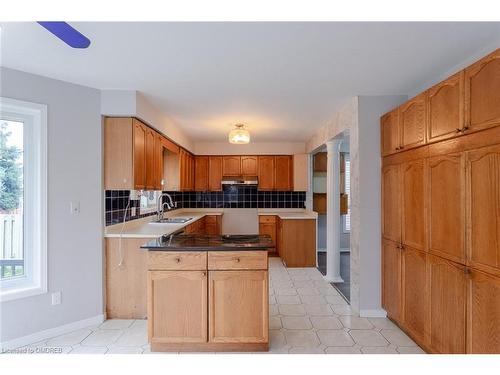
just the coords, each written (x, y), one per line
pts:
(283, 80)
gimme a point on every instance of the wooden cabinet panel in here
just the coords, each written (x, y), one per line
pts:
(391, 279)
(447, 306)
(139, 155)
(266, 172)
(483, 208)
(215, 173)
(483, 313)
(320, 161)
(267, 225)
(284, 173)
(170, 260)
(237, 260)
(158, 162)
(186, 168)
(213, 224)
(414, 292)
(244, 321)
(445, 102)
(177, 306)
(297, 242)
(446, 215)
(201, 173)
(413, 207)
(118, 154)
(231, 165)
(150, 159)
(412, 119)
(319, 203)
(390, 135)
(482, 96)
(391, 203)
(249, 165)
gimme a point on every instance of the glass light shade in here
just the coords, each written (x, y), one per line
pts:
(239, 136)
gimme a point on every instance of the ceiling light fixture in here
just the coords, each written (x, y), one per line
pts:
(239, 135)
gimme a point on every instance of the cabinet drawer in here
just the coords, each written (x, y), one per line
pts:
(191, 261)
(264, 219)
(211, 219)
(237, 260)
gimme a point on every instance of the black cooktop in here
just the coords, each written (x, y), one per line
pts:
(197, 242)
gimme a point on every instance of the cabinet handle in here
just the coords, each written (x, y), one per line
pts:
(458, 130)
(465, 128)
(203, 274)
(237, 260)
(467, 271)
(398, 148)
(177, 260)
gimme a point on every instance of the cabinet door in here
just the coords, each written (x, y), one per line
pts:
(244, 321)
(412, 120)
(320, 162)
(389, 133)
(231, 165)
(445, 103)
(482, 96)
(414, 292)
(177, 306)
(483, 313)
(150, 159)
(266, 173)
(118, 153)
(391, 279)
(139, 155)
(391, 203)
(446, 215)
(269, 229)
(483, 208)
(201, 173)
(447, 303)
(213, 225)
(249, 165)
(215, 173)
(413, 207)
(284, 173)
(158, 162)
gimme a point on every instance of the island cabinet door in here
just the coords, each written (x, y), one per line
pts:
(238, 309)
(177, 306)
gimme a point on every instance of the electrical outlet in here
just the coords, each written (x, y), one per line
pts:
(74, 207)
(56, 298)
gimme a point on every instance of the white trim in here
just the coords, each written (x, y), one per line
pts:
(373, 313)
(35, 282)
(51, 332)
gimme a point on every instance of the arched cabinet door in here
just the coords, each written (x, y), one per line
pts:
(391, 203)
(413, 228)
(390, 135)
(412, 122)
(391, 279)
(482, 93)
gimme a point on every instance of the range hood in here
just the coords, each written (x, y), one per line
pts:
(240, 180)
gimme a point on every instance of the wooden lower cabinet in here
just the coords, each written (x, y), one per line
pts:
(267, 225)
(177, 306)
(245, 320)
(483, 313)
(414, 292)
(297, 242)
(391, 279)
(447, 305)
(213, 224)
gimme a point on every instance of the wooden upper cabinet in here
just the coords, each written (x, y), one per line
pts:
(483, 208)
(389, 133)
(446, 213)
(447, 306)
(445, 103)
(158, 160)
(412, 122)
(201, 173)
(482, 93)
(118, 153)
(266, 172)
(320, 161)
(483, 313)
(413, 208)
(186, 170)
(284, 173)
(391, 203)
(391, 279)
(177, 306)
(150, 159)
(231, 165)
(414, 292)
(249, 165)
(215, 173)
(238, 305)
(139, 155)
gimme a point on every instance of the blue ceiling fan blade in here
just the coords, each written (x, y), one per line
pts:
(66, 33)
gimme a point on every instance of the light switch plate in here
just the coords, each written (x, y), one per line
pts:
(56, 298)
(74, 207)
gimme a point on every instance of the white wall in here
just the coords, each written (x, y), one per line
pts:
(74, 174)
(259, 148)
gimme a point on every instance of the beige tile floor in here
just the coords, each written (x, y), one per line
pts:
(307, 315)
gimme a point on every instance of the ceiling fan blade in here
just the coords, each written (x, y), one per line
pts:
(66, 33)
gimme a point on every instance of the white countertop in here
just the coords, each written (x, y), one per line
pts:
(142, 228)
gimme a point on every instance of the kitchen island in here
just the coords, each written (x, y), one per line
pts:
(208, 293)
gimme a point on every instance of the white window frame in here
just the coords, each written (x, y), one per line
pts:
(34, 280)
(344, 217)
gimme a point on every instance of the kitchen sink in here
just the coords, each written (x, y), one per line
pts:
(172, 220)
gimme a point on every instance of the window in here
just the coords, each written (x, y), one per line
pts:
(23, 199)
(346, 222)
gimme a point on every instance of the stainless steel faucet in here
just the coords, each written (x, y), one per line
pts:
(160, 207)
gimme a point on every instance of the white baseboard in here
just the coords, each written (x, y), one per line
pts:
(374, 313)
(52, 332)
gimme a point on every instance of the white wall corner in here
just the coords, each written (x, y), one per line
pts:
(51, 332)
(118, 102)
(373, 313)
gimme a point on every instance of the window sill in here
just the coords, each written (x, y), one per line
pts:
(11, 294)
